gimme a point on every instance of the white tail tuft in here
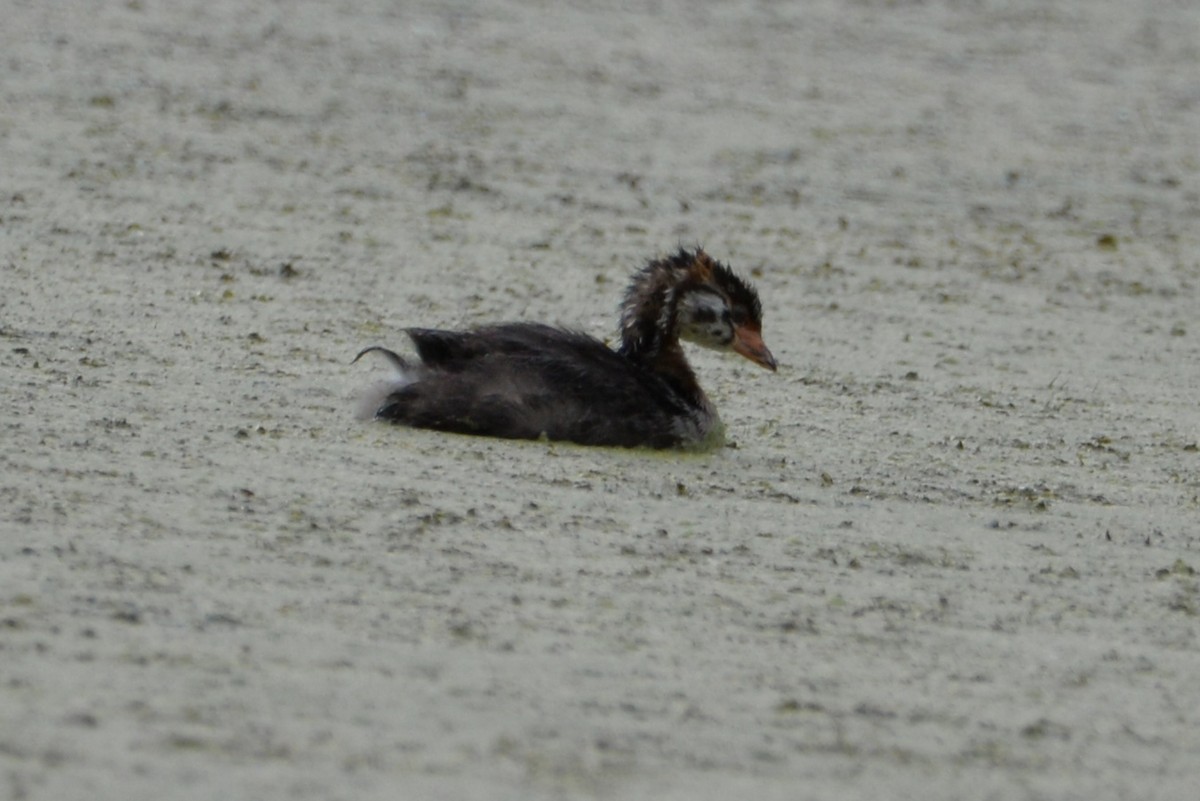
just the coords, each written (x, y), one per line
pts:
(402, 375)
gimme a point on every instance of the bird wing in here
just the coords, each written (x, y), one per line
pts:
(529, 380)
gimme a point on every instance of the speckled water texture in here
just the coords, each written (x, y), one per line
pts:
(949, 551)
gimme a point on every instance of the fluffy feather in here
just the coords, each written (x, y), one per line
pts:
(528, 380)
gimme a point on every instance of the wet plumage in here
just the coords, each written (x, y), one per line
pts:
(528, 380)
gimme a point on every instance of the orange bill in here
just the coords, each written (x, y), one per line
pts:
(748, 342)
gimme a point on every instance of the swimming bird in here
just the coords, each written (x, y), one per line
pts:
(530, 380)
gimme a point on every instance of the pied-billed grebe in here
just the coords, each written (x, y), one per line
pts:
(527, 380)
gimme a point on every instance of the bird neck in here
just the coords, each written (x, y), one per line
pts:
(649, 326)
(673, 367)
(667, 361)
(649, 313)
